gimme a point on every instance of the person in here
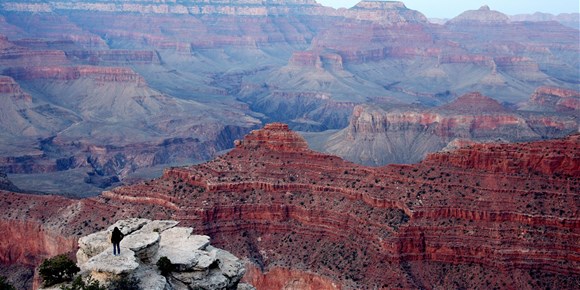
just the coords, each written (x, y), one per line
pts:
(116, 238)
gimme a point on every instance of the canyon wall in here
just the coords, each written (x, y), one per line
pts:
(176, 76)
(314, 220)
(407, 134)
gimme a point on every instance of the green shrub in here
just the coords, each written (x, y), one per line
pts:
(124, 283)
(80, 284)
(57, 269)
(165, 266)
(4, 285)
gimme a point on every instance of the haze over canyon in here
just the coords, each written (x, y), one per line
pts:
(358, 148)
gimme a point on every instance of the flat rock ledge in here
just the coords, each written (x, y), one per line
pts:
(197, 265)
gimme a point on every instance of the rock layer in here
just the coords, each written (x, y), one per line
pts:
(406, 135)
(497, 213)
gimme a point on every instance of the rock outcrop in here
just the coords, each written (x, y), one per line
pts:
(101, 74)
(471, 218)
(196, 264)
(556, 99)
(406, 135)
(483, 15)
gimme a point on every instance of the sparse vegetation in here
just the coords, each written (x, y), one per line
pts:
(165, 266)
(5, 285)
(57, 269)
(80, 284)
(124, 283)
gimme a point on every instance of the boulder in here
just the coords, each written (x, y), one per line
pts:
(144, 244)
(183, 249)
(105, 266)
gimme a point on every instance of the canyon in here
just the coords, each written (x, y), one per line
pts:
(428, 155)
(481, 216)
(406, 134)
(101, 93)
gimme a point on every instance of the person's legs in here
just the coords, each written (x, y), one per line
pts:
(116, 249)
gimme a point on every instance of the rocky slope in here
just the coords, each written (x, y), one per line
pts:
(555, 99)
(490, 215)
(105, 120)
(196, 263)
(407, 134)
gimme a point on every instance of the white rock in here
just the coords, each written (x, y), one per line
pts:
(198, 264)
(229, 264)
(244, 286)
(215, 280)
(144, 244)
(105, 262)
(149, 278)
(205, 260)
(129, 225)
(190, 277)
(159, 226)
(92, 245)
(182, 248)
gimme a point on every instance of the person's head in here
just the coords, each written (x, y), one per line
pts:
(116, 229)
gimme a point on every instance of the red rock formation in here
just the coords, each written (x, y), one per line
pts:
(474, 103)
(23, 57)
(405, 135)
(307, 59)
(313, 220)
(474, 59)
(280, 278)
(556, 98)
(104, 74)
(483, 15)
(510, 158)
(100, 57)
(31, 228)
(274, 137)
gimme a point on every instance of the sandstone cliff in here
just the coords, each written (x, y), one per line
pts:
(406, 135)
(482, 216)
(555, 99)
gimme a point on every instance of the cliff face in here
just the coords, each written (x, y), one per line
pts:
(556, 99)
(496, 212)
(406, 135)
(176, 76)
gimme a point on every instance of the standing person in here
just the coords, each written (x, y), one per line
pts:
(116, 238)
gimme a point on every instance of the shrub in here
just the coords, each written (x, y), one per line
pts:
(79, 284)
(4, 285)
(165, 266)
(124, 283)
(57, 269)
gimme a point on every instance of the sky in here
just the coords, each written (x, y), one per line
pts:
(452, 8)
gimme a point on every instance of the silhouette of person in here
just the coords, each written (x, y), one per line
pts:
(116, 238)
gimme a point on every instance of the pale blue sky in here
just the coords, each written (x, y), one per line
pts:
(452, 8)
